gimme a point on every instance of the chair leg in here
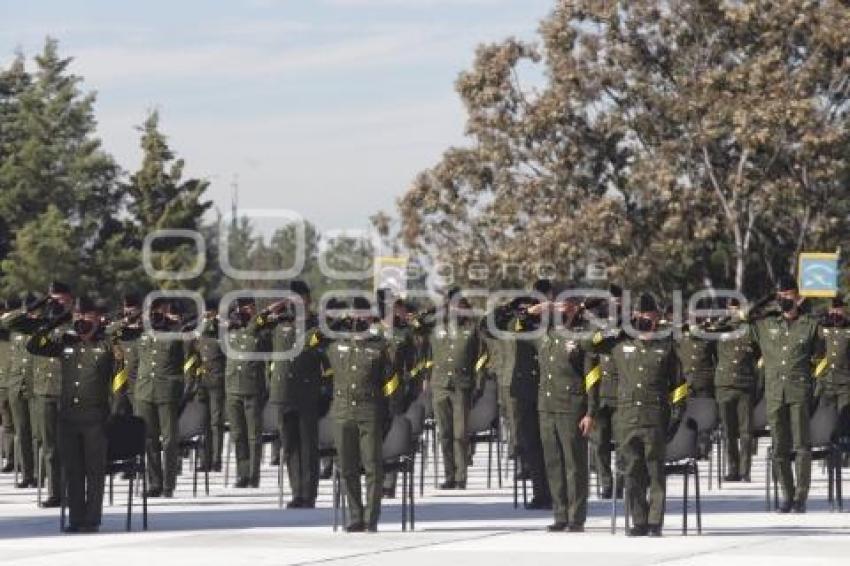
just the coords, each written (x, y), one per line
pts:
(207, 467)
(830, 479)
(615, 482)
(144, 494)
(280, 477)
(424, 449)
(516, 483)
(767, 477)
(411, 495)
(227, 460)
(499, 454)
(194, 463)
(720, 461)
(336, 498)
(130, 505)
(710, 468)
(403, 497)
(39, 470)
(698, 501)
(436, 451)
(685, 480)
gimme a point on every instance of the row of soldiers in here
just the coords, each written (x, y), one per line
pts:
(559, 385)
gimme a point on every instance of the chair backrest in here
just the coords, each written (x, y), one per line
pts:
(193, 421)
(823, 424)
(326, 433)
(397, 441)
(125, 438)
(416, 415)
(485, 411)
(760, 415)
(684, 443)
(703, 410)
(270, 418)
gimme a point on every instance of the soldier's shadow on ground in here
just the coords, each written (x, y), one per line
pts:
(479, 517)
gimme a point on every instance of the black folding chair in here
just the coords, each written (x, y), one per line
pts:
(822, 427)
(483, 426)
(398, 453)
(704, 412)
(192, 427)
(416, 415)
(681, 457)
(125, 455)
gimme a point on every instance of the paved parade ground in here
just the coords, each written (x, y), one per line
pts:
(477, 526)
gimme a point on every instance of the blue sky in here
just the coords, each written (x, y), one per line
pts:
(325, 107)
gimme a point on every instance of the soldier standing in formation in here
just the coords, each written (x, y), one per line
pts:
(249, 337)
(455, 347)
(125, 334)
(364, 384)
(295, 390)
(567, 407)
(86, 360)
(736, 384)
(649, 388)
(789, 342)
(834, 371)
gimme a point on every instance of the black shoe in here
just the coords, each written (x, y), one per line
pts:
(294, 504)
(242, 483)
(460, 485)
(8, 468)
(575, 528)
(356, 528)
(50, 503)
(153, 492)
(275, 462)
(606, 493)
(638, 531)
(799, 507)
(536, 504)
(254, 483)
(732, 478)
(784, 507)
(388, 493)
(168, 493)
(448, 485)
(24, 484)
(557, 527)
(308, 504)
(654, 530)
(88, 529)
(71, 529)
(372, 529)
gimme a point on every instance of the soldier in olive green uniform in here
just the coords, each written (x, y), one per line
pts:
(649, 386)
(86, 359)
(525, 381)
(210, 383)
(501, 354)
(7, 450)
(788, 342)
(566, 415)
(455, 347)
(248, 343)
(157, 393)
(364, 382)
(56, 313)
(20, 383)
(295, 387)
(833, 372)
(698, 357)
(604, 379)
(735, 384)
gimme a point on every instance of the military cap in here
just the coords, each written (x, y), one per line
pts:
(786, 282)
(647, 303)
(299, 287)
(543, 286)
(615, 290)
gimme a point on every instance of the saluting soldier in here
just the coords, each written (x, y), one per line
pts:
(20, 385)
(365, 384)
(249, 342)
(295, 388)
(86, 360)
(210, 379)
(455, 347)
(698, 357)
(7, 450)
(604, 378)
(567, 406)
(55, 313)
(789, 342)
(650, 387)
(157, 394)
(735, 383)
(833, 372)
(501, 357)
